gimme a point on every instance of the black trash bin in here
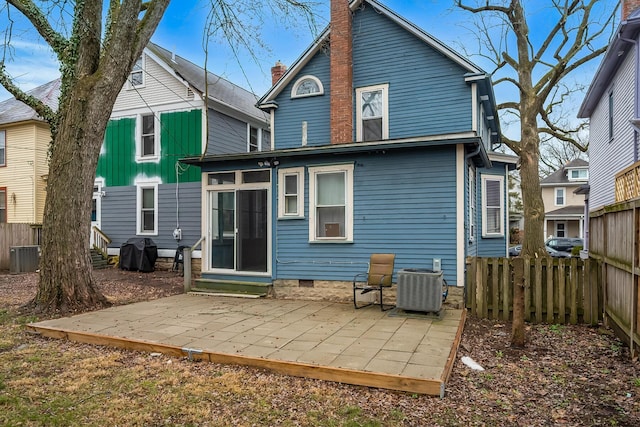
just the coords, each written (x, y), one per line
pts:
(138, 254)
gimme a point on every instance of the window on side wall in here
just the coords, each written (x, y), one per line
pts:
(147, 136)
(611, 115)
(136, 77)
(254, 139)
(331, 203)
(492, 206)
(3, 205)
(560, 196)
(147, 207)
(372, 115)
(3, 148)
(291, 193)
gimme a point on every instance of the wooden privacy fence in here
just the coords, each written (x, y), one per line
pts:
(16, 235)
(614, 240)
(557, 290)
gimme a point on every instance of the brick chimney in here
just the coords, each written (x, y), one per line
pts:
(629, 6)
(341, 73)
(277, 71)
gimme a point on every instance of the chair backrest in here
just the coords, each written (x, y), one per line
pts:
(381, 268)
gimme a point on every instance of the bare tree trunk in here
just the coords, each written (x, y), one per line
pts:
(66, 281)
(517, 330)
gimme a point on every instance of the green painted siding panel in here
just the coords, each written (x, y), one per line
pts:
(180, 136)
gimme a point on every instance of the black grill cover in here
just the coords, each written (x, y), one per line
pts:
(138, 254)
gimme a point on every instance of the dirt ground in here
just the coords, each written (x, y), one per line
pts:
(567, 375)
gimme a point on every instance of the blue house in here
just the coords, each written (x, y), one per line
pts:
(381, 142)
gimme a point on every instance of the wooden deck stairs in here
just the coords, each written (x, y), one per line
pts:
(231, 287)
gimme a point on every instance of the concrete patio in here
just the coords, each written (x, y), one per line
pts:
(323, 340)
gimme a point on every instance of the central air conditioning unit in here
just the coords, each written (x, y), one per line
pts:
(420, 290)
(24, 259)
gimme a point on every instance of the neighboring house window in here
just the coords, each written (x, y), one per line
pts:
(307, 86)
(372, 113)
(254, 139)
(578, 174)
(3, 147)
(331, 203)
(3, 205)
(136, 77)
(148, 140)
(472, 204)
(291, 193)
(560, 196)
(492, 205)
(611, 115)
(560, 230)
(147, 207)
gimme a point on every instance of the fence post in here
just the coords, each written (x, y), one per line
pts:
(186, 269)
(517, 331)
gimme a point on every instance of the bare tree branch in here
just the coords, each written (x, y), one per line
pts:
(39, 21)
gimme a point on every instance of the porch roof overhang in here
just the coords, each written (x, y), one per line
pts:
(567, 212)
(350, 148)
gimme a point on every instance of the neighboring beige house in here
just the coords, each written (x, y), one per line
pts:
(24, 142)
(564, 209)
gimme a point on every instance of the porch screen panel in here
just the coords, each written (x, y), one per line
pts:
(252, 230)
(330, 205)
(222, 229)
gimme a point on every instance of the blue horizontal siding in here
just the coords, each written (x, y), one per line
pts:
(118, 219)
(314, 109)
(404, 203)
(427, 91)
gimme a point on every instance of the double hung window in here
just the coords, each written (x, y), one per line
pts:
(331, 203)
(147, 206)
(492, 206)
(291, 193)
(372, 113)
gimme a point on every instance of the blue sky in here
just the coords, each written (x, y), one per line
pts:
(182, 27)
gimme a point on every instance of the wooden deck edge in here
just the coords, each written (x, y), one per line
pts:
(451, 360)
(433, 387)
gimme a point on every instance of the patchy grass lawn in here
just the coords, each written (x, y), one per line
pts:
(567, 375)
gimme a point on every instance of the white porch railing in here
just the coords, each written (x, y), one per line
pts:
(100, 240)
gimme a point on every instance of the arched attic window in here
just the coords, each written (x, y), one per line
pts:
(307, 86)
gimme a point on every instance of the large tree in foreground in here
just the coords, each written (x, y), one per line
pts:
(94, 67)
(537, 62)
(96, 52)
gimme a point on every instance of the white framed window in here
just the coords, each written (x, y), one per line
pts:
(291, 193)
(331, 203)
(147, 208)
(307, 86)
(136, 77)
(372, 113)
(578, 174)
(560, 196)
(254, 139)
(492, 206)
(472, 204)
(610, 115)
(3, 147)
(147, 137)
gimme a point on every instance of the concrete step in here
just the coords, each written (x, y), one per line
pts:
(231, 287)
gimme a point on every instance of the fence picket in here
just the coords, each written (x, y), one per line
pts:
(495, 289)
(538, 290)
(562, 309)
(507, 289)
(573, 317)
(550, 270)
(527, 289)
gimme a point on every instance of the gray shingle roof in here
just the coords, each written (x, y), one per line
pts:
(560, 176)
(567, 210)
(220, 89)
(13, 111)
